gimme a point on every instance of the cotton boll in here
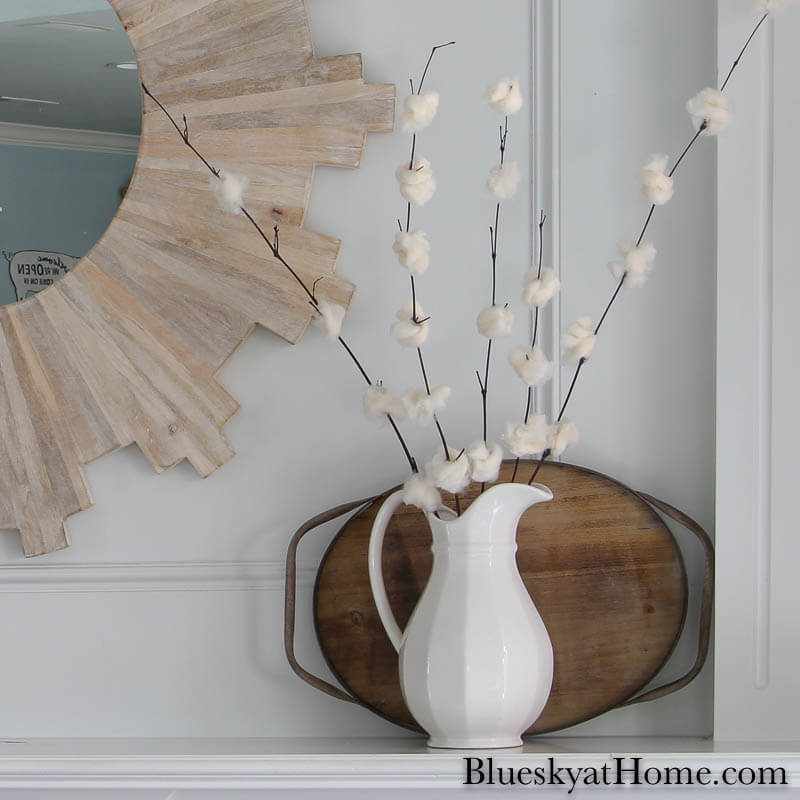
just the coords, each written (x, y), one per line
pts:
(636, 265)
(439, 396)
(580, 339)
(379, 401)
(417, 184)
(485, 460)
(452, 475)
(413, 251)
(527, 438)
(638, 261)
(229, 190)
(495, 322)
(407, 331)
(505, 96)
(531, 365)
(417, 405)
(539, 291)
(657, 186)
(503, 180)
(712, 107)
(330, 319)
(420, 492)
(420, 406)
(563, 435)
(419, 111)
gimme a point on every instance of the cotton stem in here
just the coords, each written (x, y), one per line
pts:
(274, 247)
(414, 315)
(647, 222)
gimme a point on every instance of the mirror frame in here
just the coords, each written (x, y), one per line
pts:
(125, 348)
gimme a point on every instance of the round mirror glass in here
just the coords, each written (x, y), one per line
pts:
(70, 120)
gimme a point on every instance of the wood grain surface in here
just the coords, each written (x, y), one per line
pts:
(125, 348)
(601, 566)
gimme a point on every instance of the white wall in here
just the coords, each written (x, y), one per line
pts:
(149, 625)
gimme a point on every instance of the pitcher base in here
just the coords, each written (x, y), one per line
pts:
(476, 743)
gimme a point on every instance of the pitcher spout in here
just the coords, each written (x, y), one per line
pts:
(495, 513)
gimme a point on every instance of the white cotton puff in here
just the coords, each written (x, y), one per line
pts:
(379, 401)
(420, 406)
(229, 190)
(531, 364)
(413, 251)
(580, 339)
(505, 96)
(765, 6)
(564, 434)
(636, 264)
(452, 475)
(420, 492)
(712, 107)
(408, 332)
(527, 438)
(485, 460)
(503, 180)
(657, 186)
(539, 291)
(330, 319)
(419, 111)
(495, 322)
(417, 184)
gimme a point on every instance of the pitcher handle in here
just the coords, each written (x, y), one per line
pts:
(390, 505)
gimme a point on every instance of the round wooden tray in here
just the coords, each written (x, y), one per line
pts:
(601, 566)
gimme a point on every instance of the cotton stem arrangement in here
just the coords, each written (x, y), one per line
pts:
(531, 438)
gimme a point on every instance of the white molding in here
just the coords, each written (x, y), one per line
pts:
(763, 368)
(285, 764)
(546, 109)
(149, 577)
(68, 139)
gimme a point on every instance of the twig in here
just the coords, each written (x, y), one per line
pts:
(647, 222)
(430, 58)
(274, 247)
(414, 315)
(534, 335)
(746, 45)
(493, 236)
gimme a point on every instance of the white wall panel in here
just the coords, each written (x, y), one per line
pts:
(758, 657)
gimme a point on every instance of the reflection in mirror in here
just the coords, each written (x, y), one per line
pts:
(70, 120)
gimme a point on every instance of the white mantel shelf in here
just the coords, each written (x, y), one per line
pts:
(337, 763)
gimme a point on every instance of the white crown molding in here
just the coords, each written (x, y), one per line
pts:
(149, 577)
(68, 139)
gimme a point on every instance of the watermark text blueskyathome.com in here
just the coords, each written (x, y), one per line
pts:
(616, 771)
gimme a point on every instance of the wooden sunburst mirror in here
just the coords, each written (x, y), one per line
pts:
(125, 348)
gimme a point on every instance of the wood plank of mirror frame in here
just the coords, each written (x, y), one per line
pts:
(125, 348)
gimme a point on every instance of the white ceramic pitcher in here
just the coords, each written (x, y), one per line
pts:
(476, 663)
